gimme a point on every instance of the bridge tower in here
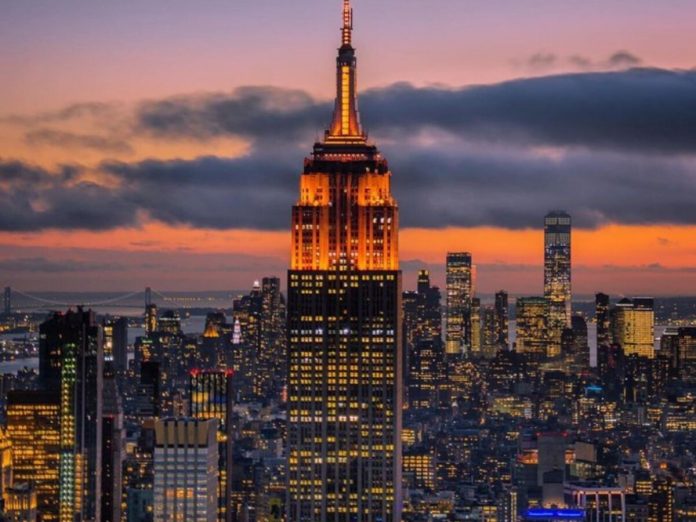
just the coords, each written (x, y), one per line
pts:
(8, 300)
(148, 296)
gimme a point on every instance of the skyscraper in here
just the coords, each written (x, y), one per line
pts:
(557, 281)
(113, 435)
(344, 351)
(270, 369)
(261, 317)
(602, 319)
(532, 331)
(147, 397)
(5, 462)
(185, 470)
(120, 347)
(71, 361)
(116, 343)
(633, 326)
(459, 295)
(33, 425)
(211, 397)
(422, 336)
(501, 319)
(475, 327)
(151, 319)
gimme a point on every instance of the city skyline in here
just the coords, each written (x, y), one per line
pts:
(431, 351)
(165, 192)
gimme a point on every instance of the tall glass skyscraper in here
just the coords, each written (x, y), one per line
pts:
(71, 360)
(344, 356)
(557, 280)
(459, 296)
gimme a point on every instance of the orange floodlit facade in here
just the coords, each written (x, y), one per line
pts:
(346, 217)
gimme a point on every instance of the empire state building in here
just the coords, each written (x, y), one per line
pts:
(344, 288)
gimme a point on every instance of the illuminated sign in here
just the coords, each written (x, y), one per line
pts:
(554, 514)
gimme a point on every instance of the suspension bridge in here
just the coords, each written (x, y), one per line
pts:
(32, 301)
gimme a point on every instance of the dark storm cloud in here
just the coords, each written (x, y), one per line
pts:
(435, 188)
(515, 190)
(32, 198)
(636, 110)
(639, 109)
(255, 112)
(220, 193)
(609, 147)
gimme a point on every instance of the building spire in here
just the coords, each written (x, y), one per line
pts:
(346, 120)
(347, 30)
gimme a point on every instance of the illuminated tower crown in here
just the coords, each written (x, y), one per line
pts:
(346, 217)
(346, 120)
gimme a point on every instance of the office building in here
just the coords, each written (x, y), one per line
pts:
(151, 319)
(603, 319)
(459, 295)
(185, 470)
(532, 335)
(633, 326)
(33, 426)
(345, 352)
(502, 319)
(557, 262)
(475, 327)
(211, 397)
(71, 364)
(113, 435)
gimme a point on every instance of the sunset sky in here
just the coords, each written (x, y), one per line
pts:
(160, 143)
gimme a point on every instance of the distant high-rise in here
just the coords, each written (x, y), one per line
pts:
(151, 319)
(113, 437)
(489, 333)
(581, 347)
(633, 326)
(211, 397)
(262, 315)
(459, 296)
(71, 362)
(116, 343)
(33, 426)
(680, 346)
(120, 347)
(344, 331)
(148, 400)
(475, 327)
(557, 277)
(185, 470)
(532, 335)
(611, 367)
(5, 462)
(271, 368)
(501, 319)
(422, 335)
(603, 319)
